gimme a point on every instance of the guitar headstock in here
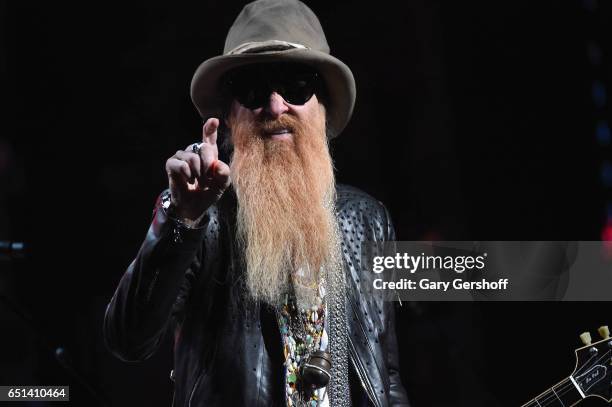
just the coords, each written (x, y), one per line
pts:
(593, 372)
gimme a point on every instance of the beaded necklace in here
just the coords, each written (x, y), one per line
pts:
(301, 331)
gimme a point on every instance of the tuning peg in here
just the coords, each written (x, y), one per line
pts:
(604, 331)
(585, 337)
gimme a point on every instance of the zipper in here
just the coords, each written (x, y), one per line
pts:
(195, 386)
(363, 378)
(173, 386)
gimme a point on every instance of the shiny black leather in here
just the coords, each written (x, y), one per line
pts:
(189, 280)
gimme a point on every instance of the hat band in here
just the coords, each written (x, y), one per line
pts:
(265, 46)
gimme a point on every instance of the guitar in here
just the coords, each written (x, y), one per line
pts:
(592, 376)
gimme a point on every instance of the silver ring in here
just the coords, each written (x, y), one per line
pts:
(196, 147)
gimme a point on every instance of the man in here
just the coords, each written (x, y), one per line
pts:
(256, 265)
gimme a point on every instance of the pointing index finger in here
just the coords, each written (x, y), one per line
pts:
(209, 133)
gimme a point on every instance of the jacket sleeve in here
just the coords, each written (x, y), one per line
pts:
(139, 311)
(397, 392)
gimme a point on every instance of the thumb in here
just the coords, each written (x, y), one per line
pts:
(220, 175)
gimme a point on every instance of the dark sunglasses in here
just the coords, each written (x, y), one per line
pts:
(252, 85)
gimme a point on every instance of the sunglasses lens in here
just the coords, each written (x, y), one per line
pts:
(251, 86)
(252, 97)
(299, 88)
(249, 89)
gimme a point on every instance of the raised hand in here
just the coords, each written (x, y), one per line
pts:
(197, 179)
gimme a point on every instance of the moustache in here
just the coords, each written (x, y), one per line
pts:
(273, 126)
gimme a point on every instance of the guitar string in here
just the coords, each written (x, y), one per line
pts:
(564, 389)
(560, 392)
(585, 364)
(555, 397)
(547, 399)
(596, 362)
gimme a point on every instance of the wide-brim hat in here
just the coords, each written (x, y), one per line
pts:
(276, 31)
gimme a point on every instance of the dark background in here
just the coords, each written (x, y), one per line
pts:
(474, 121)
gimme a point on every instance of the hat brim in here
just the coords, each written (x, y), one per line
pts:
(207, 96)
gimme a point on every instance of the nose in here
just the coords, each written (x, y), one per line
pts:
(276, 105)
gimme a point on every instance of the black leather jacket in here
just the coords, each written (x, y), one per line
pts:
(188, 280)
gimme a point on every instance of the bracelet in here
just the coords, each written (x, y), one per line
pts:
(180, 225)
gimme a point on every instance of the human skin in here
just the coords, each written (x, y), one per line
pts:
(197, 181)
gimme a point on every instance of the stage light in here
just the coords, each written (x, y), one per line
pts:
(598, 92)
(603, 133)
(606, 234)
(606, 174)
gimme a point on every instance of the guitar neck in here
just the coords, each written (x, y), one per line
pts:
(563, 394)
